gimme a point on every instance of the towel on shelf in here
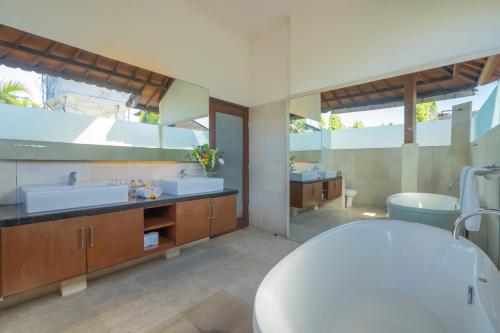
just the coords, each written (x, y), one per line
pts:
(469, 199)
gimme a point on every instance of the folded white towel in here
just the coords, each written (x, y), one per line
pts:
(469, 199)
(148, 193)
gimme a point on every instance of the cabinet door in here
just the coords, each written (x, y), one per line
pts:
(307, 195)
(114, 238)
(317, 190)
(338, 188)
(193, 220)
(38, 254)
(223, 215)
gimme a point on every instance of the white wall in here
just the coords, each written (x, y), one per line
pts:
(340, 42)
(169, 37)
(270, 66)
(183, 101)
(183, 138)
(21, 123)
(433, 133)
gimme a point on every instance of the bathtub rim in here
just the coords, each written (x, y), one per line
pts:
(429, 211)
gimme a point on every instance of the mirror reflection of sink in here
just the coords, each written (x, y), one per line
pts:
(328, 174)
(303, 176)
(186, 186)
(41, 198)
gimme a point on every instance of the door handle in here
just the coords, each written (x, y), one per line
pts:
(209, 211)
(213, 211)
(91, 228)
(82, 237)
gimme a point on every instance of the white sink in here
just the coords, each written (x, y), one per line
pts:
(303, 176)
(41, 198)
(186, 186)
(328, 174)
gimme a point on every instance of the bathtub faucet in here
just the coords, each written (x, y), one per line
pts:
(460, 221)
(453, 183)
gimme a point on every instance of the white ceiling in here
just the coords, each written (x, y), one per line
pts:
(249, 18)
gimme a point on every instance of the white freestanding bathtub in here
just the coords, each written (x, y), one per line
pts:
(427, 208)
(381, 276)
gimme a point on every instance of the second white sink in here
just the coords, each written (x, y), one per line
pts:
(303, 176)
(186, 186)
(328, 174)
(41, 198)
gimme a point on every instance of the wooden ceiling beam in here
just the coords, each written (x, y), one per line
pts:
(489, 68)
(68, 61)
(393, 88)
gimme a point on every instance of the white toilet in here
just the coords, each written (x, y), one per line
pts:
(349, 196)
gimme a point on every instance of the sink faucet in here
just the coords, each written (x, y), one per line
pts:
(182, 173)
(460, 221)
(315, 168)
(72, 178)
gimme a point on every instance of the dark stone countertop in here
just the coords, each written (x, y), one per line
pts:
(315, 180)
(13, 215)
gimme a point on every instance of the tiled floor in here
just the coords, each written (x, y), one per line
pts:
(312, 222)
(208, 288)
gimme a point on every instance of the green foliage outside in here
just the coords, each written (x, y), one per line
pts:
(334, 123)
(149, 117)
(9, 94)
(358, 124)
(297, 126)
(426, 111)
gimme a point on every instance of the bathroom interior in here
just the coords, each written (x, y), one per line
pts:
(182, 172)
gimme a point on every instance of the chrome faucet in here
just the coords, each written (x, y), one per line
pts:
(315, 168)
(182, 173)
(72, 178)
(460, 221)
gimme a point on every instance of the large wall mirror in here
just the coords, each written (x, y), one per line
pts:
(305, 130)
(70, 104)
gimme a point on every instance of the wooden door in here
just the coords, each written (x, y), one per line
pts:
(114, 238)
(193, 220)
(39, 254)
(223, 219)
(221, 136)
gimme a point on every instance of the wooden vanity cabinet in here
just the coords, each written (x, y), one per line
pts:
(114, 238)
(223, 215)
(38, 254)
(193, 220)
(334, 189)
(305, 194)
(200, 219)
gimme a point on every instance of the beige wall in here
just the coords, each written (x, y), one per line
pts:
(268, 134)
(374, 173)
(170, 37)
(385, 38)
(485, 151)
(21, 173)
(270, 66)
